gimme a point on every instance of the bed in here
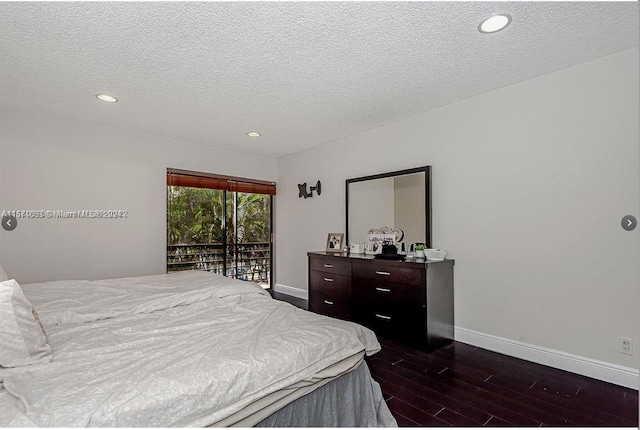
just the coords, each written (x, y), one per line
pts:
(180, 350)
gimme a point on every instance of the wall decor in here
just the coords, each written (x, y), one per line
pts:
(335, 242)
(302, 189)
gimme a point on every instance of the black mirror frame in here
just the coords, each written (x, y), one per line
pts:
(427, 190)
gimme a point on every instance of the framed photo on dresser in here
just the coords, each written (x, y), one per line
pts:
(335, 242)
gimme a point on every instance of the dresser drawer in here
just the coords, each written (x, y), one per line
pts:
(374, 291)
(331, 265)
(406, 324)
(388, 273)
(330, 284)
(338, 307)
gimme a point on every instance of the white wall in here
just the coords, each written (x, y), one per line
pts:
(52, 163)
(530, 183)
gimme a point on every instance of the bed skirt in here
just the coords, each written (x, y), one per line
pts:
(352, 400)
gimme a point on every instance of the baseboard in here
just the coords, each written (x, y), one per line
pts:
(292, 291)
(619, 375)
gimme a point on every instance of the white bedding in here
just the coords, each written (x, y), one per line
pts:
(63, 302)
(185, 349)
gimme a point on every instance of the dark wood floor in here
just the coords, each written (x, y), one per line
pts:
(301, 303)
(461, 385)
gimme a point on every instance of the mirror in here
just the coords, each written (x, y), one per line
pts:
(399, 200)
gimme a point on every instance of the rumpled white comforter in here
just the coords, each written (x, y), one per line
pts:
(64, 302)
(166, 353)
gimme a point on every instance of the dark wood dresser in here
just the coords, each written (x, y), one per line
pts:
(408, 301)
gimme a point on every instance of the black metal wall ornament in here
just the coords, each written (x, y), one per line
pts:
(302, 190)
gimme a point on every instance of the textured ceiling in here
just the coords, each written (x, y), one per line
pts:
(302, 73)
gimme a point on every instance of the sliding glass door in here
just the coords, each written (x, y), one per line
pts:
(224, 231)
(249, 237)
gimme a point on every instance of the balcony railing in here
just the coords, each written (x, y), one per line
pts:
(246, 261)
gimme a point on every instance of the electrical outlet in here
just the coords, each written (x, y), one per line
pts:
(626, 346)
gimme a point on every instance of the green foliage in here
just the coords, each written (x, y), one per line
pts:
(254, 223)
(195, 215)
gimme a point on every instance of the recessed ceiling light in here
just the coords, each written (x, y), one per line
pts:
(495, 23)
(106, 98)
(253, 134)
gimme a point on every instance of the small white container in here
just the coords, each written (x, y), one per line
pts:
(419, 253)
(435, 254)
(357, 248)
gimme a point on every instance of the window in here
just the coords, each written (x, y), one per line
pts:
(220, 224)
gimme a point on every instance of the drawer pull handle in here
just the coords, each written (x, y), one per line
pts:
(328, 302)
(329, 266)
(382, 273)
(328, 279)
(383, 317)
(383, 290)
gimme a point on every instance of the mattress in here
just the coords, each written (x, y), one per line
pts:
(182, 349)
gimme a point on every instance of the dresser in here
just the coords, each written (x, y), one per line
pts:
(407, 301)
